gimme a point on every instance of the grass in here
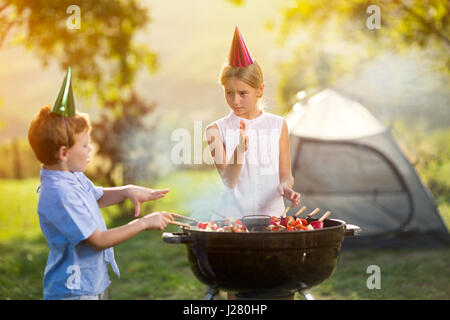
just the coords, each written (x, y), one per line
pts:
(152, 269)
(405, 274)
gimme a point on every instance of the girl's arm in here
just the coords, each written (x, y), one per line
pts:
(101, 240)
(229, 172)
(285, 158)
(286, 178)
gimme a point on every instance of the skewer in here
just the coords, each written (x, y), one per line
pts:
(299, 212)
(283, 215)
(183, 217)
(218, 213)
(326, 215)
(315, 211)
(181, 224)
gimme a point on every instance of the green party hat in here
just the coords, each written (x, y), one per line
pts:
(65, 103)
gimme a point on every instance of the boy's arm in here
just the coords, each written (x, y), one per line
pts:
(100, 240)
(113, 196)
(137, 195)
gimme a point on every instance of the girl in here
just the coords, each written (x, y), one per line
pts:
(250, 147)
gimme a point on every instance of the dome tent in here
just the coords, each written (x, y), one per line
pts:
(344, 160)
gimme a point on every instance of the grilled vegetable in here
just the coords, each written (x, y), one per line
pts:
(317, 225)
(288, 223)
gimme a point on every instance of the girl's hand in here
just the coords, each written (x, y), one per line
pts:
(243, 138)
(289, 194)
(139, 195)
(156, 220)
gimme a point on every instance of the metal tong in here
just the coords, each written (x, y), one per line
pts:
(182, 224)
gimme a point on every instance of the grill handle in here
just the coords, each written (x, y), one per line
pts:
(176, 238)
(351, 230)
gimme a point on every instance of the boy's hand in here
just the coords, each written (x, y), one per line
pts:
(289, 194)
(139, 195)
(156, 220)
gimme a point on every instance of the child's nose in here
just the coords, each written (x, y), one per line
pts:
(236, 100)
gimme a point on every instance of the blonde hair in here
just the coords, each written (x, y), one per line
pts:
(251, 75)
(48, 132)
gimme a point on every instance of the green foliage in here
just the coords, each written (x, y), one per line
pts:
(116, 136)
(430, 152)
(18, 160)
(104, 58)
(420, 22)
(104, 41)
(329, 39)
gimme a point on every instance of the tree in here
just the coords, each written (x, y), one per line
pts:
(118, 136)
(102, 53)
(335, 37)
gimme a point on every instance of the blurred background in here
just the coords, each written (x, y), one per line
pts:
(143, 69)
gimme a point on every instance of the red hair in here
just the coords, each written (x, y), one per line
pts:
(48, 133)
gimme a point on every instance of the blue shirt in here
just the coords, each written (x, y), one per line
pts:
(68, 214)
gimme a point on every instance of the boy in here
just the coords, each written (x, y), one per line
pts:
(69, 215)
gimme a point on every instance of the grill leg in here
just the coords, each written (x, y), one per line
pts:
(307, 294)
(211, 293)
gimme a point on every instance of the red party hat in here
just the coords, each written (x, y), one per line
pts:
(239, 54)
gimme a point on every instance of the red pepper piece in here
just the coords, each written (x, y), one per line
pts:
(317, 224)
(202, 225)
(274, 219)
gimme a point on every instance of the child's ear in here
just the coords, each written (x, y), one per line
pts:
(260, 91)
(61, 154)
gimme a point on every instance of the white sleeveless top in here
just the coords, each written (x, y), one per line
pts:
(256, 190)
